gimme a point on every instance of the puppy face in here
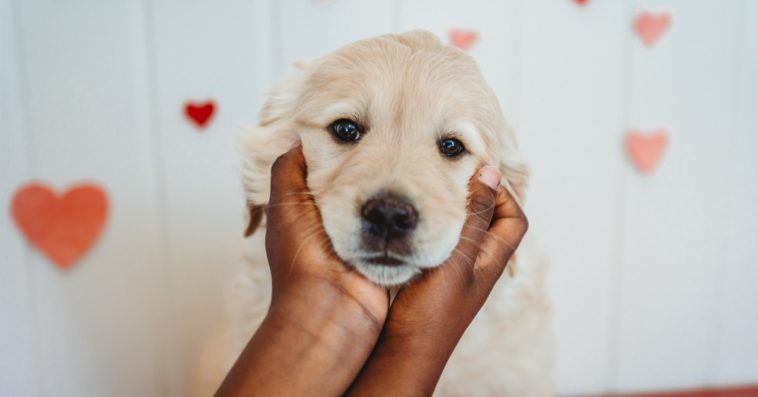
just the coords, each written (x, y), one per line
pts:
(393, 129)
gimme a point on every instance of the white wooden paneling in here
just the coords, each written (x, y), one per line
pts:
(571, 63)
(89, 120)
(737, 360)
(18, 359)
(652, 276)
(675, 219)
(218, 51)
(307, 29)
(494, 50)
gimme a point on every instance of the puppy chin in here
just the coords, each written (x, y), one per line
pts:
(387, 276)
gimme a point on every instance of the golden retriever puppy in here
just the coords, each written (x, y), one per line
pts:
(393, 128)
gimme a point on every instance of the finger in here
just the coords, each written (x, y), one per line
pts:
(481, 207)
(290, 196)
(505, 234)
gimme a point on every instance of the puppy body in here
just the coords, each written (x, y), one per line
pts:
(407, 93)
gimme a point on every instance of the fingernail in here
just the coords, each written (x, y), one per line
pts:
(296, 144)
(491, 176)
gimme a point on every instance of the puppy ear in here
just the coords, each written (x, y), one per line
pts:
(419, 39)
(258, 147)
(282, 96)
(513, 167)
(255, 215)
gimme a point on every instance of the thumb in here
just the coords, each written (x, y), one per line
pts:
(288, 187)
(481, 207)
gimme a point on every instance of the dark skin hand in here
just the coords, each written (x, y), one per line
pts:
(330, 332)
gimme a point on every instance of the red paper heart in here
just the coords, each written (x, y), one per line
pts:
(62, 227)
(650, 27)
(463, 39)
(581, 2)
(646, 150)
(200, 113)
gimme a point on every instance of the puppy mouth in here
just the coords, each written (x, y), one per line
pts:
(385, 260)
(385, 268)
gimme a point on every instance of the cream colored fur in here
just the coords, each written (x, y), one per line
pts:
(409, 91)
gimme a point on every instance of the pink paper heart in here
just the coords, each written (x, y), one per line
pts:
(463, 39)
(63, 226)
(646, 150)
(650, 27)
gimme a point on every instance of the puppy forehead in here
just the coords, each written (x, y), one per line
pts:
(388, 80)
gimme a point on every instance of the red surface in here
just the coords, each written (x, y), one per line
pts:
(581, 2)
(63, 227)
(650, 27)
(200, 113)
(646, 150)
(747, 391)
(463, 39)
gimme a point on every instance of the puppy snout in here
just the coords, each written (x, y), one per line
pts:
(389, 217)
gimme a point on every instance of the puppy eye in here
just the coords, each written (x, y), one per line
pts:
(346, 130)
(451, 147)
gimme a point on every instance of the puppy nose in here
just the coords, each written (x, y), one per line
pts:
(389, 217)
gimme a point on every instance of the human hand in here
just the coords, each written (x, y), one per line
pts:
(301, 257)
(324, 318)
(428, 317)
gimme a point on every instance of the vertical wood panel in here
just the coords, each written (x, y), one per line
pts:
(572, 60)
(564, 76)
(219, 51)
(737, 361)
(18, 360)
(495, 24)
(307, 29)
(89, 121)
(674, 229)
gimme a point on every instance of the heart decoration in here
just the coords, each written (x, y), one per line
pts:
(63, 227)
(463, 39)
(646, 150)
(200, 113)
(581, 2)
(650, 27)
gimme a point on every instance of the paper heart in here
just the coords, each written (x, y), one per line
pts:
(62, 227)
(650, 27)
(646, 150)
(581, 2)
(463, 39)
(200, 113)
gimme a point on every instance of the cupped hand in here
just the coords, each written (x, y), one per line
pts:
(301, 257)
(324, 319)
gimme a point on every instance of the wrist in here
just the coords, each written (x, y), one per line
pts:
(317, 307)
(312, 331)
(413, 349)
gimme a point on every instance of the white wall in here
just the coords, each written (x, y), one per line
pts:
(653, 275)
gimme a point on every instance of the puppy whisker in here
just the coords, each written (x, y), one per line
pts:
(469, 239)
(493, 235)
(458, 270)
(294, 258)
(301, 193)
(470, 261)
(283, 204)
(502, 240)
(488, 208)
